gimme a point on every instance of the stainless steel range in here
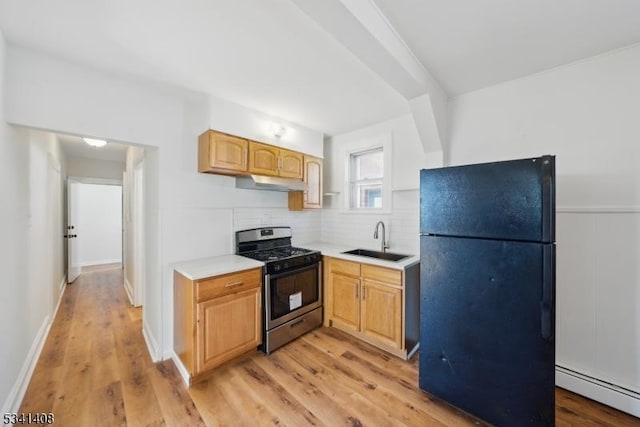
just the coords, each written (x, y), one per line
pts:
(292, 284)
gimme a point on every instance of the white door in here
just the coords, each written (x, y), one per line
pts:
(73, 266)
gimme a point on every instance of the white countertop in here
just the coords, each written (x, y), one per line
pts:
(224, 264)
(214, 266)
(335, 251)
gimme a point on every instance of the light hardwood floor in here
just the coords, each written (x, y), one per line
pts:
(95, 370)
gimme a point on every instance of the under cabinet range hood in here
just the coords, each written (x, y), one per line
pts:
(271, 183)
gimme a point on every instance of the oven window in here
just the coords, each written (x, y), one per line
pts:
(293, 290)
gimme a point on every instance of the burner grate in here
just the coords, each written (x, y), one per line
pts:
(276, 253)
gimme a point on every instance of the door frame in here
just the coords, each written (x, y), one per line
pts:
(87, 180)
(72, 272)
(56, 226)
(138, 216)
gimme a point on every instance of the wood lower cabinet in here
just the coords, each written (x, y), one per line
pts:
(227, 326)
(381, 317)
(345, 304)
(312, 197)
(369, 302)
(222, 153)
(216, 319)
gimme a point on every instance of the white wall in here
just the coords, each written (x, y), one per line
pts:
(238, 120)
(14, 186)
(32, 270)
(94, 168)
(402, 221)
(45, 241)
(587, 115)
(99, 224)
(189, 215)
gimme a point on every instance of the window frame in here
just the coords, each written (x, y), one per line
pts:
(356, 182)
(360, 147)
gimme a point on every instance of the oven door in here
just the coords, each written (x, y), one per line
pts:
(291, 294)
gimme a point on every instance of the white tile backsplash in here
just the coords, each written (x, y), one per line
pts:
(305, 225)
(334, 226)
(402, 225)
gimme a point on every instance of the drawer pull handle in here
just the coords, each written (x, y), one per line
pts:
(232, 284)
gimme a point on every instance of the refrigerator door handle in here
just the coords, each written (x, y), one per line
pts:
(548, 199)
(547, 305)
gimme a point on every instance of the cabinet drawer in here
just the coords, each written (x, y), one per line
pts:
(381, 274)
(345, 267)
(228, 284)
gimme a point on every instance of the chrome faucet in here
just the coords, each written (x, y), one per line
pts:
(383, 245)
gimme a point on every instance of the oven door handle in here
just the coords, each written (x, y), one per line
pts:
(295, 270)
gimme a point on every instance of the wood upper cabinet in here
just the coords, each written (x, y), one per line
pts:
(269, 160)
(366, 301)
(263, 159)
(312, 197)
(291, 164)
(216, 319)
(226, 154)
(222, 153)
(313, 179)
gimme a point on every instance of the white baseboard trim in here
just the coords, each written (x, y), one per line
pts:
(152, 344)
(617, 397)
(598, 209)
(129, 290)
(14, 399)
(61, 289)
(181, 369)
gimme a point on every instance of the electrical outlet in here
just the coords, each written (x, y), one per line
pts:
(266, 219)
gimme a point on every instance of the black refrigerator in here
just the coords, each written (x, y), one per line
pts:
(487, 289)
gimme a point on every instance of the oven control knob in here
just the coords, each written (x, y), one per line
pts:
(276, 267)
(286, 265)
(307, 259)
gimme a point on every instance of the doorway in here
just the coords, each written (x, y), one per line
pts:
(94, 225)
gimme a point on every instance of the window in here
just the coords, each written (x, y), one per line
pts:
(366, 170)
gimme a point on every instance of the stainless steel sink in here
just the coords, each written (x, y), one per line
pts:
(387, 256)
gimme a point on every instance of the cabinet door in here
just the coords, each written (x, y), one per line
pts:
(263, 159)
(312, 198)
(382, 313)
(291, 164)
(227, 327)
(345, 301)
(222, 153)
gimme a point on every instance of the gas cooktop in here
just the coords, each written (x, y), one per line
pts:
(276, 254)
(272, 245)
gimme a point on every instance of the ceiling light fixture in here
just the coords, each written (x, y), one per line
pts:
(95, 142)
(278, 130)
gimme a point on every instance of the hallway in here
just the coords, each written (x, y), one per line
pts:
(95, 370)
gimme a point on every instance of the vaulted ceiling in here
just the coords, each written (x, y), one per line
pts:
(331, 65)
